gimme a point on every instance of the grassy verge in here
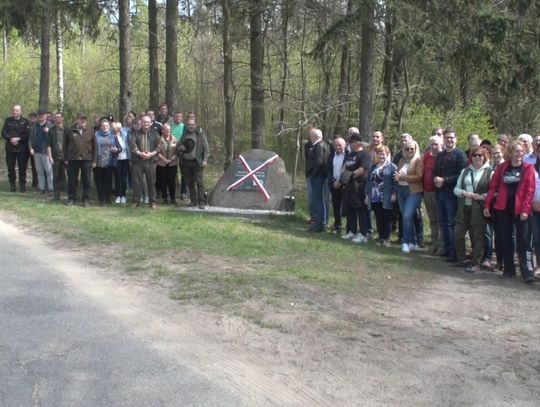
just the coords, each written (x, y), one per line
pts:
(242, 266)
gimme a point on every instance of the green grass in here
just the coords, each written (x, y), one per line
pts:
(224, 262)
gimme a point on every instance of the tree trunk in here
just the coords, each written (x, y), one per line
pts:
(464, 82)
(5, 45)
(257, 72)
(83, 38)
(153, 96)
(302, 119)
(388, 69)
(124, 49)
(45, 59)
(59, 61)
(326, 65)
(366, 70)
(343, 93)
(171, 55)
(227, 84)
(285, 14)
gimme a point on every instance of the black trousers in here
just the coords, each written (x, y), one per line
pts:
(383, 220)
(505, 223)
(59, 177)
(337, 198)
(357, 219)
(166, 181)
(103, 180)
(121, 173)
(194, 180)
(73, 169)
(21, 159)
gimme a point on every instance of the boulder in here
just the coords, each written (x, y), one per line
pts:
(234, 190)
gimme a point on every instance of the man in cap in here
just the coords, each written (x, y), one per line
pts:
(79, 150)
(55, 138)
(194, 152)
(37, 144)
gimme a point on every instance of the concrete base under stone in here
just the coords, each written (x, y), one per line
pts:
(235, 212)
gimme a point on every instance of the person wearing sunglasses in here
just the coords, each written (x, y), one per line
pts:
(471, 190)
(409, 192)
(513, 185)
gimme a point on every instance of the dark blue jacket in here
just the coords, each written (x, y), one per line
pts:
(450, 171)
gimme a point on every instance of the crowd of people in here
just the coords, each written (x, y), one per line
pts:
(490, 193)
(144, 152)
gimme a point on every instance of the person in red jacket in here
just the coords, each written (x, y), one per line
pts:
(513, 185)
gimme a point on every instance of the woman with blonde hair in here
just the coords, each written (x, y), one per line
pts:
(121, 172)
(408, 176)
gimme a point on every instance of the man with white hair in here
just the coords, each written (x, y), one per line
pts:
(473, 140)
(335, 167)
(317, 156)
(526, 141)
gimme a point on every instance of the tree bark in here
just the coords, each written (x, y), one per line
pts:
(5, 45)
(227, 84)
(302, 119)
(45, 59)
(388, 69)
(343, 92)
(171, 55)
(257, 71)
(124, 50)
(285, 14)
(366, 70)
(59, 61)
(153, 85)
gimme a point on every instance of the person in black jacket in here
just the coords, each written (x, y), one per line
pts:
(316, 161)
(448, 166)
(16, 131)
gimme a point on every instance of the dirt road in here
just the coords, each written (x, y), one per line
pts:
(459, 340)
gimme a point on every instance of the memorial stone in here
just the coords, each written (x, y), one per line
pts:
(257, 179)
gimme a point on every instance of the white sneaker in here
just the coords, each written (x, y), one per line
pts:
(117, 200)
(348, 236)
(123, 200)
(146, 200)
(414, 247)
(405, 248)
(359, 238)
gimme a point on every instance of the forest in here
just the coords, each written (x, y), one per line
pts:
(258, 73)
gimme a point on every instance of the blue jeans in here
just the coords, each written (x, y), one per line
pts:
(317, 202)
(446, 209)
(408, 204)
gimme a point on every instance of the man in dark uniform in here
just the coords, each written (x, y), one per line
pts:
(16, 131)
